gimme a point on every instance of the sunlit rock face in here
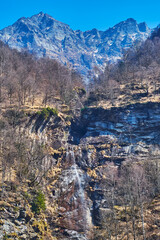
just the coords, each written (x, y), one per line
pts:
(109, 137)
(42, 35)
(131, 124)
(87, 153)
(84, 156)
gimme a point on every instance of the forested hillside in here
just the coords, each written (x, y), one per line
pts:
(139, 66)
(25, 80)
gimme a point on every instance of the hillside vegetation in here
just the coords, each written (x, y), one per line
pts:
(27, 82)
(135, 78)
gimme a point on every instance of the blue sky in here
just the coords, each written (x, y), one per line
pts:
(83, 14)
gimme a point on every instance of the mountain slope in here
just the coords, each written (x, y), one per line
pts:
(43, 35)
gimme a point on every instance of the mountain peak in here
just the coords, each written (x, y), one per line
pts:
(41, 13)
(128, 23)
(42, 17)
(132, 20)
(46, 36)
(21, 19)
(143, 27)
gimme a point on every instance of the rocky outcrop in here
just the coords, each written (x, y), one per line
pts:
(17, 221)
(130, 124)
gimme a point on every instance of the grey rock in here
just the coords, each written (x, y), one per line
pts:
(43, 35)
(22, 214)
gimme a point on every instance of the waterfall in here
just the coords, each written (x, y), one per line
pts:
(78, 178)
(78, 215)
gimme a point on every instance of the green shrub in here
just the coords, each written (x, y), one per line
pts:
(16, 209)
(5, 237)
(38, 203)
(68, 118)
(47, 112)
(82, 109)
(39, 113)
(27, 195)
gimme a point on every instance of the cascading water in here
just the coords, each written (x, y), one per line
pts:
(77, 217)
(79, 180)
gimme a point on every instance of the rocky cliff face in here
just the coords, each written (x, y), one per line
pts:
(113, 136)
(97, 144)
(43, 35)
(84, 153)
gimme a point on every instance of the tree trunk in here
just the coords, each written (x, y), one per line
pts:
(142, 218)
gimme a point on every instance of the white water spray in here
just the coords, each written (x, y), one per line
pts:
(78, 178)
(79, 213)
